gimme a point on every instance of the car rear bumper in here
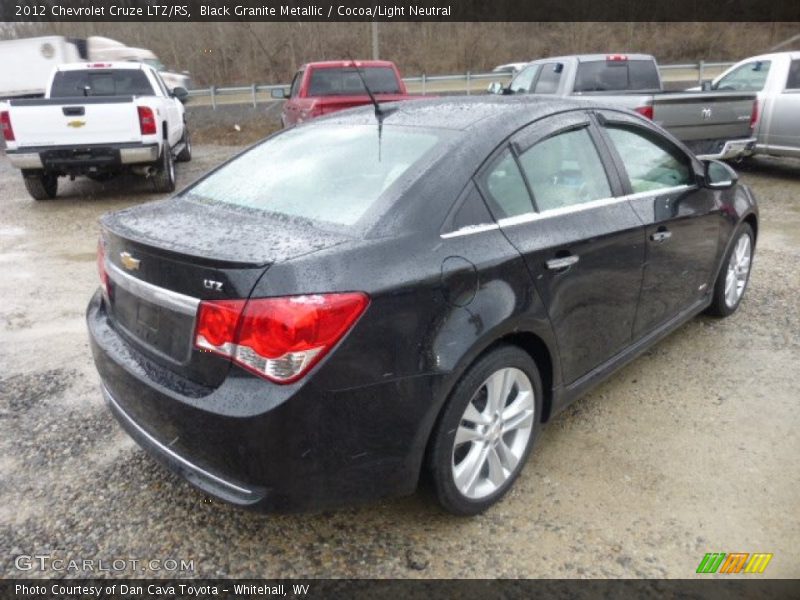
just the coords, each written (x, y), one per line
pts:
(731, 149)
(263, 446)
(83, 159)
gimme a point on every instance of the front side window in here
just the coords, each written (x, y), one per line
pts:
(750, 77)
(328, 173)
(521, 84)
(507, 194)
(548, 80)
(650, 164)
(295, 89)
(565, 170)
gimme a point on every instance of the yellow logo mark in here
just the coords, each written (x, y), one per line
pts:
(130, 263)
(76, 124)
(757, 563)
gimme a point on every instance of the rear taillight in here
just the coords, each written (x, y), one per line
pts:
(279, 339)
(5, 125)
(147, 121)
(616, 58)
(754, 116)
(101, 265)
(645, 111)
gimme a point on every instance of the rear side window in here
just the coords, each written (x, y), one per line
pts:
(651, 164)
(616, 75)
(507, 194)
(120, 82)
(793, 81)
(329, 173)
(549, 78)
(346, 82)
(750, 77)
(565, 170)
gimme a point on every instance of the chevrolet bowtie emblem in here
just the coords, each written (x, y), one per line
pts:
(130, 263)
(76, 124)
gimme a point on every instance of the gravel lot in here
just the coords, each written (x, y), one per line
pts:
(691, 449)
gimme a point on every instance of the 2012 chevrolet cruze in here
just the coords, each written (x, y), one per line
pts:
(358, 299)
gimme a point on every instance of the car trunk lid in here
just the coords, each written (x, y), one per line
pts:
(163, 259)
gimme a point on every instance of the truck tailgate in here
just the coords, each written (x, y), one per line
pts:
(705, 116)
(75, 121)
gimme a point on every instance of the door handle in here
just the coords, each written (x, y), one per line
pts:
(661, 235)
(565, 262)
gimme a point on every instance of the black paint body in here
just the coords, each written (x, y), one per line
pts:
(445, 282)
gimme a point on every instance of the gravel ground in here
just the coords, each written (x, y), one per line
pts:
(691, 449)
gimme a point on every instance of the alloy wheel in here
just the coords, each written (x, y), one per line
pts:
(493, 433)
(738, 270)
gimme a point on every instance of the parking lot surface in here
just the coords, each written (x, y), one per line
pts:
(693, 448)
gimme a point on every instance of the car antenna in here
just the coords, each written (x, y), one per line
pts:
(380, 112)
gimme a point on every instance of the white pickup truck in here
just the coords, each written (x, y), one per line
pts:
(775, 78)
(98, 120)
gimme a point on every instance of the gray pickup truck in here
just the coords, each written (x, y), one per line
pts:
(712, 124)
(775, 78)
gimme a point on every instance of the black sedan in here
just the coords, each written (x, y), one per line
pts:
(357, 301)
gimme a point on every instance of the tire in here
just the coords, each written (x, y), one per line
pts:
(735, 271)
(185, 155)
(164, 179)
(472, 473)
(41, 186)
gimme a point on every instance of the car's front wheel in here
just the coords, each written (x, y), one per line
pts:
(735, 273)
(486, 431)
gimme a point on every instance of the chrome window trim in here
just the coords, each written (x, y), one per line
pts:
(469, 230)
(154, 294)
(166, 450)
(529, 217)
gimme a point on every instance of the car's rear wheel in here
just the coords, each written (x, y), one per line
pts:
(486, 431)
(735, 273)
(41, 186)
(164, 178)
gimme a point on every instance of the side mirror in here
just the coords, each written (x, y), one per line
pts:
(706, 86)
(278, 93)
(495, 88)
(181, 93)
(718, 175)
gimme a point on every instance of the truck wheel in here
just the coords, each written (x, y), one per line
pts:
(41, 186)
(185, 155)
(164, 179)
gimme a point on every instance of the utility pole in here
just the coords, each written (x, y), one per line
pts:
(375, 54)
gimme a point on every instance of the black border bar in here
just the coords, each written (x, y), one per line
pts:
(727, 588)
(400, 10)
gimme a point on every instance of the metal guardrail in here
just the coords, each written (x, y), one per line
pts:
(249, 94)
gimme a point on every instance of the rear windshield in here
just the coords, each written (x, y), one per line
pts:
(329, 173)
(346, 82)
(617, 75)
(119, 82)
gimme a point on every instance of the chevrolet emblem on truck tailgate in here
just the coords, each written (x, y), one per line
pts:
(130, 263)
(76, 124)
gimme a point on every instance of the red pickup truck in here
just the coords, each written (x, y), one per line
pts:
(320, 88)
